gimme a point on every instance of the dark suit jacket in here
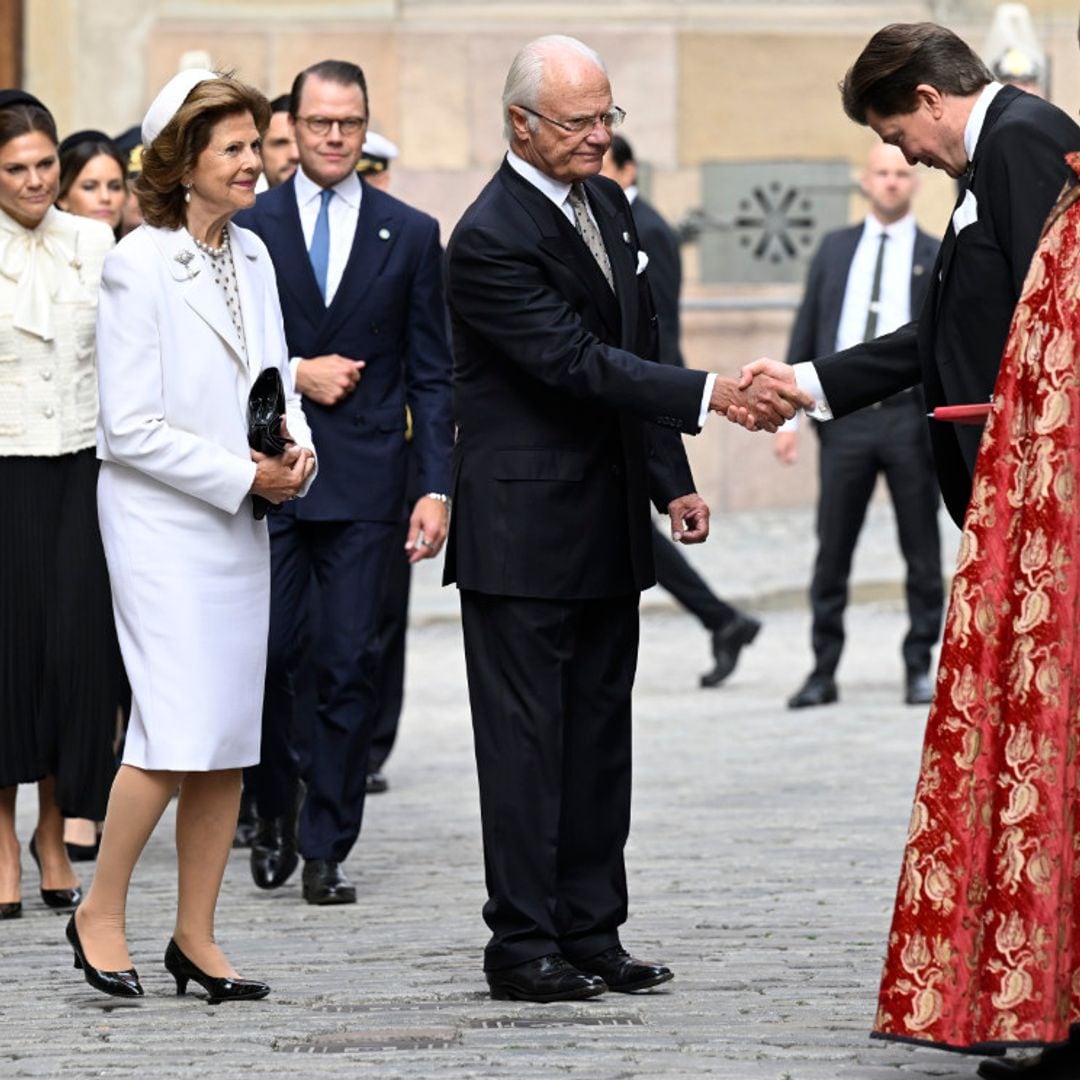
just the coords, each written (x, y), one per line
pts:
(664, 275)
(388, 311)
(564, 429)
(818, 318)
(954, 348)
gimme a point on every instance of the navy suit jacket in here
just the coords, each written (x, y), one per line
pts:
(954, 348)
(818, 319)
(388, 311)
(566, 424)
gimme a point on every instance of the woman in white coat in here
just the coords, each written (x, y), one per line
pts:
(187, 318)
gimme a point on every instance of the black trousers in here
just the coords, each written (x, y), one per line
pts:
(329, 749)
(891, 439)
(675, 574)
(549, 686)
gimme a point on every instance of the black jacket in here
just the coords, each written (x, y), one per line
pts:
(954, 347)
(566, 425)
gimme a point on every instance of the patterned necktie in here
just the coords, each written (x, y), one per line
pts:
(588, 231)
(319, 252)
(875, 292)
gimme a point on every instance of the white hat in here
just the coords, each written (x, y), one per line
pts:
(171, 96)
(376, 145)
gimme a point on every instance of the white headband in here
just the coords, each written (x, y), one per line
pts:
(171, 96)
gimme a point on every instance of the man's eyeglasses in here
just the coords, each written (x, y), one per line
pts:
(320, 125)
(578, 124)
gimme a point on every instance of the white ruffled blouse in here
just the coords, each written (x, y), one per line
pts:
(49, 279)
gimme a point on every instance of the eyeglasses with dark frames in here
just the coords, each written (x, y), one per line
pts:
(321, 125)
(579, 124)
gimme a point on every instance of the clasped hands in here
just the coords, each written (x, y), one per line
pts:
(282, 477)
(763, 397)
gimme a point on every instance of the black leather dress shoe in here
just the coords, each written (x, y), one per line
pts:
(324, 883)
(623, 973)
(63, 899)
(273, 852)
(549, 978)
(217, 989)
(117, 983)
(11, 909)
(918, 690)
(377, 783)
(727, 642)
(1054, 1063)
(817, 690)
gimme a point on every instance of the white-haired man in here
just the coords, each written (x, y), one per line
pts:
(566, 427)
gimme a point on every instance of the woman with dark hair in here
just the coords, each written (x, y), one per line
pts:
(188, 320)
(93, 178)
(56, 696)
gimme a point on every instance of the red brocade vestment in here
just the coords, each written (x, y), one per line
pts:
(984, 949)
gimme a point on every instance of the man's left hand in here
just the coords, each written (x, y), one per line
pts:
(427, 529)
(689, 519)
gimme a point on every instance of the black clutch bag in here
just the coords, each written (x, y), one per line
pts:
(266, 406)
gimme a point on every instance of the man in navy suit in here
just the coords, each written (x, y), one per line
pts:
(360, 280)
(864, 281)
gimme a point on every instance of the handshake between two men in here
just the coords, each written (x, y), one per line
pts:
(762, 398)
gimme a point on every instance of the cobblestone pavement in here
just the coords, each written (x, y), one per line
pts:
(763, 860)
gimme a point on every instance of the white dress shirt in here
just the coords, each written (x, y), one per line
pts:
(806, 375)
(894, 301)
(343, 212)
(559, 193)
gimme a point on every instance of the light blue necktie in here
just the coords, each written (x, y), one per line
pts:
(319, 252)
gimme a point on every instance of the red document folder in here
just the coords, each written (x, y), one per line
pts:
(963, 414)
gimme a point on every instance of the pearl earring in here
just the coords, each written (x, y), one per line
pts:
(187, 194)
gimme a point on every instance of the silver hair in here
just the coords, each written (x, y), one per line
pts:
(526, 75)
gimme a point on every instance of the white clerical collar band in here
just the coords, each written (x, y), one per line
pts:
(170, 97)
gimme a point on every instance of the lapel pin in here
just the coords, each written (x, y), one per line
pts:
(384, 234)
(626, 238)
(184, 258)
(917, 269)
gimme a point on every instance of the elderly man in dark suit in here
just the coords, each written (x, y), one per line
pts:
(864, 281)
(566, 427)
(730, 630)
(921, 88)
(360, 279)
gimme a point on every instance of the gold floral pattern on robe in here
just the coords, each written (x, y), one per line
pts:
(985, 942)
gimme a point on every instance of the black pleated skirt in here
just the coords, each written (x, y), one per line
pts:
(61, 678)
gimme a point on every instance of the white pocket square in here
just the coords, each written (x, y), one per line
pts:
(967, 213)
(642, 261)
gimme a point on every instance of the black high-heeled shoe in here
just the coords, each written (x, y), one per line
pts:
(217, 990)
(12, 909)
(55, 898)
(118, 983)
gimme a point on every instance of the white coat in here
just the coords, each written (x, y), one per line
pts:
(190, 566)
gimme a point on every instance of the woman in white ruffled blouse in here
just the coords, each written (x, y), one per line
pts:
(57, 696)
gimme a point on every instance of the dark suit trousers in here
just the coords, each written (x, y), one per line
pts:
(549, 686)
(348, 560)
(893, 440)
(675, 574)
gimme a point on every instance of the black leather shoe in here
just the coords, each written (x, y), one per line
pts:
(12, 909)
(623, 973)
(1054, 1063)
(55, 898)
(727, 642)
(118, 983)
(247, 822)
(274, 857)
(918, 690)
(377, 783)
(324, 883)
(817, 690)
(550, 978)
(217, 990)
